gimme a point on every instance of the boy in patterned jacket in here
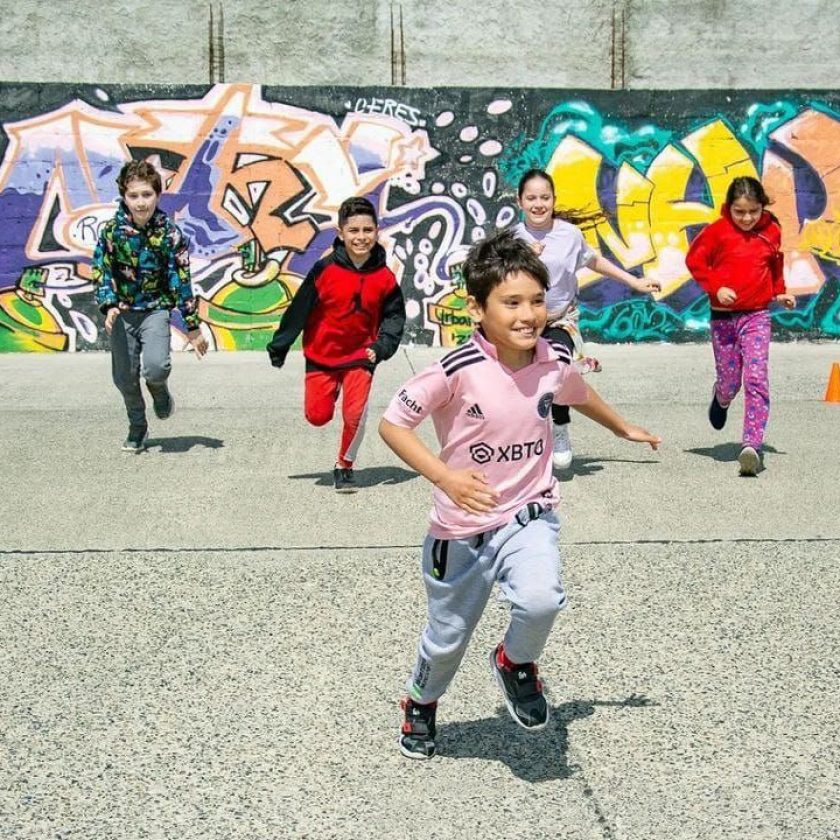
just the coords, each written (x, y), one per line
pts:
(141, 271)
(493, 518)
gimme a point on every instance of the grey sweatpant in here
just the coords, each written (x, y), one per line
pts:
(523, 558)
(140, 346)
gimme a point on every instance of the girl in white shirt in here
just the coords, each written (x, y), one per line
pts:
(562, 248)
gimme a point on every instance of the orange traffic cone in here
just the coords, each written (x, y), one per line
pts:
(832, 393)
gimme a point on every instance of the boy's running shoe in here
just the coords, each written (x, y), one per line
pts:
(136, 440)
(717, 412)
(562, 448)
(163, 402)
(417, 736)
(344, 480)
(749, 461)
(523, 692)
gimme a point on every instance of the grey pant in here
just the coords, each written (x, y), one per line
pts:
(523, 558)
(140, 346)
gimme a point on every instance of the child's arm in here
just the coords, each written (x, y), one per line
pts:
(294, 318)
(467, 488)
(390, 328)
(601, 265)
(103, 281)
(596, 409)
(180, 283)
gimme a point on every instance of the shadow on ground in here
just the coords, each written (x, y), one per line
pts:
(534, 757)
(727, 451)
(184, 443)
(368, 477)
(582, 467)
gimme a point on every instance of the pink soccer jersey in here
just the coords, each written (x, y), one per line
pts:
(493, 419)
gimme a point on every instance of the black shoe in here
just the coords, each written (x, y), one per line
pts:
(163, 402)
(523, 693)
(717, 412)
(417, 737)
(344, 480)
(136, 440)
(749, 461)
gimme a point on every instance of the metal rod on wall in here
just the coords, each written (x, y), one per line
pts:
(216, 43)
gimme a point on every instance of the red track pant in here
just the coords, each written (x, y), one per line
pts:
(321, 394)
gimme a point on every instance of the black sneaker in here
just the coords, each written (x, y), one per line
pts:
(163, 402)
(749, 461)
(344, 480)
(717, 412)
(417, 737)
(523, 693)
(136, 440)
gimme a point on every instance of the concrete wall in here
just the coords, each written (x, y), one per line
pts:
(556, 43)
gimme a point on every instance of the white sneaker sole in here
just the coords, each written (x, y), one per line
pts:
(137, 450)
(562, 460)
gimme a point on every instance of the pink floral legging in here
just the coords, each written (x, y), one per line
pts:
(741, 344)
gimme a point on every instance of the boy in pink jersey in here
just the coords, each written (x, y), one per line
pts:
(493, 518)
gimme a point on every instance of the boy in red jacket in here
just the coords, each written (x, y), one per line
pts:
(737, 262)
(352, 314)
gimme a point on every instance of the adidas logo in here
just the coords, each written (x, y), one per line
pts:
(475, 412)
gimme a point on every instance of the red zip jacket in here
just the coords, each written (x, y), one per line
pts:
(747, 261)
(343, 311)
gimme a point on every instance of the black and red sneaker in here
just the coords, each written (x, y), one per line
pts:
(523, 692)
(417, 735)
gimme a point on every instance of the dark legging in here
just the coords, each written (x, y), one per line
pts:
(560, 413)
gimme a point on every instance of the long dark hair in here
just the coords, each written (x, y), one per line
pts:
(575, 217)
(749, 188)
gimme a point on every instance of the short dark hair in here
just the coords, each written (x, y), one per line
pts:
(490, 261)
(749, 188)
(530, 175)
(355, 206)
(139, 170)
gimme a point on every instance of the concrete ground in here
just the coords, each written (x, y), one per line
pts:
(205, 641)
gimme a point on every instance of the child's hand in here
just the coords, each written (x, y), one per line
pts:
(645, 284)
(639, 435)
(198, 341)
(726, 295)
(788, 301)
(111, 319)
(371, 355)
(537, 247)
(469, 490)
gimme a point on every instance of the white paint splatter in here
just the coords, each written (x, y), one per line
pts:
(412, 308)
(468, 133)
(101, 95)
(490, 148)
(475, 210)
(459, 190)
(499, 106)
(505, 216)
(465, 158)
(444, 119)
(488, 183)
(438, 188)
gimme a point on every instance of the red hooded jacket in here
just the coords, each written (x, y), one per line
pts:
(747, 261)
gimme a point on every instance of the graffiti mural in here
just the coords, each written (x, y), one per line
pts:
(254, 176)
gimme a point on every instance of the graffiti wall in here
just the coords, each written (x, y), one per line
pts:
(254, 176)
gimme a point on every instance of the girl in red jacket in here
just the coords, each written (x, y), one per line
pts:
(737, 262)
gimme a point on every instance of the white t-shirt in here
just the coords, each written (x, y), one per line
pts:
(494, 419)
(565, 252)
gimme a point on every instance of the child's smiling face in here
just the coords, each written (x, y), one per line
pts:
(512, 318)
(745, 212)
(537, 202)
(358, 234)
